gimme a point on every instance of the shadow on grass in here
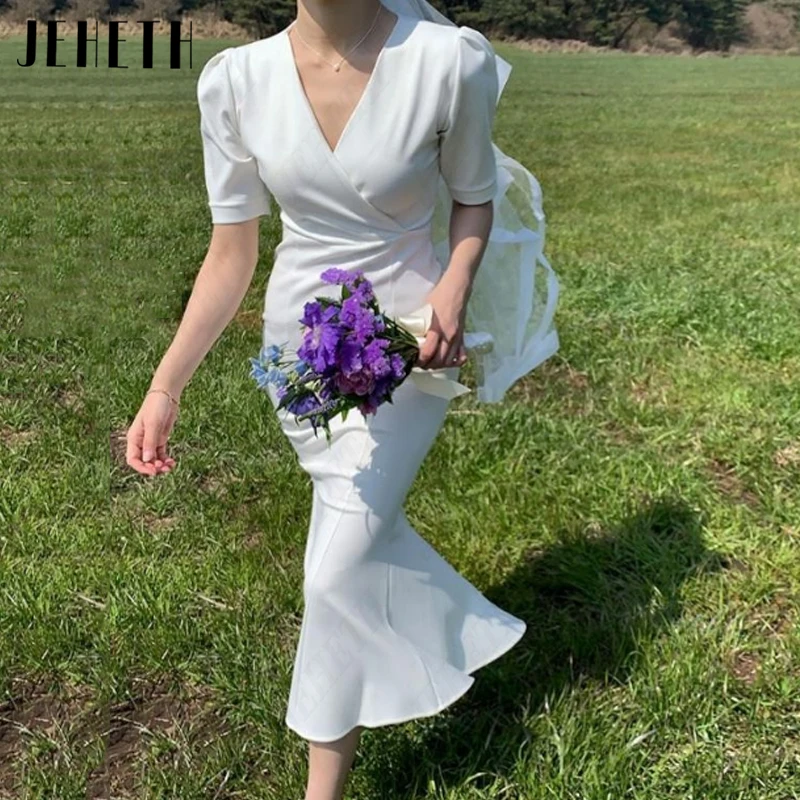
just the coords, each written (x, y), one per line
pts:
(587, 601)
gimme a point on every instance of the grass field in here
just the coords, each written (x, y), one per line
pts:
(636, 499)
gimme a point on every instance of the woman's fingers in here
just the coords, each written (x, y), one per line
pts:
(163, 461)
(133, 453)
(161, 453)
(436, 352)
(147, 445)
(443, 356)
(450, 354)
(428, 348)
(453, 357)
(151, 440)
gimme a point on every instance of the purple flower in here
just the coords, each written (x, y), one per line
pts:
(359, 318)
(375, 359)
(398, 365)
(335, 275)
(369, 406)
(303, 404)
(385, 386)
(353, 279)
(314, 313)
(361, 383)
(350, 359)
(344, 277)
(364, 292)
(328, 390)
(321, 340)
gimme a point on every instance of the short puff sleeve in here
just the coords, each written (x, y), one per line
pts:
(235, 190)
(466, 158)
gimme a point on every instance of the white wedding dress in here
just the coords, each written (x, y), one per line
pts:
(390, 631)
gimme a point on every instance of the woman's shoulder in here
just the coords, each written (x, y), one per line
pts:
(432, 32)
(237, 68)
(447, 46)
(431, 36)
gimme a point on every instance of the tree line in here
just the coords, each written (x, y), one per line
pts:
(703, 24)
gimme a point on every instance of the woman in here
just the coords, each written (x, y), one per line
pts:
(350, 117)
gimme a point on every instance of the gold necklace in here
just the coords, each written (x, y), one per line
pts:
(338, 65)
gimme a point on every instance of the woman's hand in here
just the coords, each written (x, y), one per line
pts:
(148, 434)
(444, 345)
(218, 291)
(470, 226)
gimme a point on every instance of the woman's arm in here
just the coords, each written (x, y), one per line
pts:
(219, 288)
(469, 233)
(218, 291)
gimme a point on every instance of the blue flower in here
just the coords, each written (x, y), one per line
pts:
(278, 377)
(271, 354)
(301, 367)
(264, 376)
(258, 372)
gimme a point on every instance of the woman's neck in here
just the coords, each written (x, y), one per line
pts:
(334, 24)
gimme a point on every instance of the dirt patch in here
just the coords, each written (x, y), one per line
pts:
(288, 631)
(616, 433)
(640, 392)
(218, 483)
(158, 524)
(788, 456)
(70, 399)
(45, 727)
(730, 484)
(180, 719)
(118, 446)
(251, 320)
(734, 564)
(14, 439)
(650, 390)
(552, 375)
(253, 540)
(745, 667)
(773, 619)
(68, 727)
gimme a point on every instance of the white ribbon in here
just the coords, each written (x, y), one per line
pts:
(436, 381)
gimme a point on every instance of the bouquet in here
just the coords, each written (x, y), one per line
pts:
(352, 355)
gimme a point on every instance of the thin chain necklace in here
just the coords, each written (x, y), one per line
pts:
(338, 65)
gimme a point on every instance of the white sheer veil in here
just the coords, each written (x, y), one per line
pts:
(509, 323)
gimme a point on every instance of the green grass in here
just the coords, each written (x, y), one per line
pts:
(636, 499)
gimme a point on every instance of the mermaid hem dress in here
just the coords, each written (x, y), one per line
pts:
(390, 630)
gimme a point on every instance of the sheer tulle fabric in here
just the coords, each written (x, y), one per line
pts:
(515, 292)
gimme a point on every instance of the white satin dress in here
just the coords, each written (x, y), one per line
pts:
(390, 631)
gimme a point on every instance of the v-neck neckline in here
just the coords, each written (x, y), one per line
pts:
(333, 151)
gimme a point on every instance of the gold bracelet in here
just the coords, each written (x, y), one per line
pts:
(163, 391)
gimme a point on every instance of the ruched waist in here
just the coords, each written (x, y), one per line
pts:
(312, 232)
(370, 250)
